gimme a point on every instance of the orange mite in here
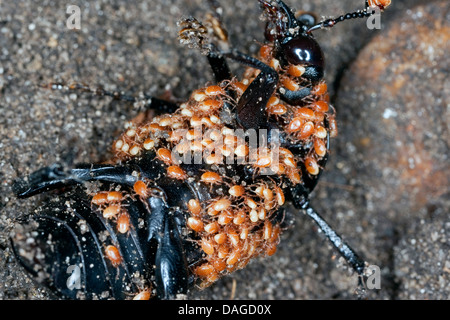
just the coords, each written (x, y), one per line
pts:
(311, 166)
(111, 211)
(290, 84)
(306, 130)
(210, 105)
(236, 191)
(207, 246)
(224, 218)
(296, 70)
(294, 175)
(305, 113)
(211, 177)
(214, 91)
(194, 207)
(320, 147)
(239, 87)
(113, 255)
(102, 198)
(99, 199)
(234, 257)
(212, 227)
(114, 196)
(320, 132)
(176, 172)
(219, 265)
(320, 106)
(265, 51)
(295, 124)
(276, 110)
(221, 204)
(143, 295)
(220, 238)
(205, 270)
(319, 89)
(164, 155)
(141, 189)
(239, 218)
(123, 223)
(263, 161)
(195, 224)
(333, 127)
(382, 4)
(279, 196)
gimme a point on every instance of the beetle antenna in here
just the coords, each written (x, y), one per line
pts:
(369, 10)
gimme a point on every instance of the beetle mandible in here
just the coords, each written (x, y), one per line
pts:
(188, 196)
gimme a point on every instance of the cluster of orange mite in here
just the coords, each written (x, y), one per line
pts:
(305, 123)
(110, 205)
(237, 226)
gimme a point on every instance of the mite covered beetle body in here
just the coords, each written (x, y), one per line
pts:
(198, 190)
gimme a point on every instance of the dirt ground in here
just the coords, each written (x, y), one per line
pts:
(385, 188)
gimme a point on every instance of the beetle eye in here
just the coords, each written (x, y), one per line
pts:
(307, 19)
(303, 50)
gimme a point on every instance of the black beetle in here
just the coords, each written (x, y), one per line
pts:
(188, 196)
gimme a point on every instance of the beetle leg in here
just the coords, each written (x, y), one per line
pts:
(149, 102)
(219, 67)
(158, 209)
(218, 63)
(39, 181)
(343, 248)
(294, 97)
(171, 273)
(55, 177)
(251, 108)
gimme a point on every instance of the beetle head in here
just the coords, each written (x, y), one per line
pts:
(292, 42)
(292, 38)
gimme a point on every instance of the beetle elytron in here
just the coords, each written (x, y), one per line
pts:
(187, 198)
